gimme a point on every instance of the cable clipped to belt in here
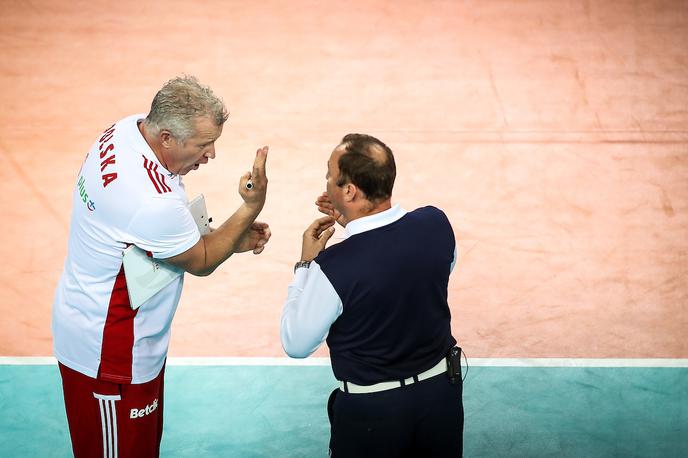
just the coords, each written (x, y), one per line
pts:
(454, 365)
(465, 358)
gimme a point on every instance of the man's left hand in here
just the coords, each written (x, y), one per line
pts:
(254, 238)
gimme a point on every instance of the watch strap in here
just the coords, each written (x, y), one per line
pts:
(300, 264)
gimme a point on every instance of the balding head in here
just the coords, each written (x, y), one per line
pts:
(367, 163)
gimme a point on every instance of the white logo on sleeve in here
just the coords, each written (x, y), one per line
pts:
(140, 413)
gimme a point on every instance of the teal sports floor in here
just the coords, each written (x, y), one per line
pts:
(279, 411)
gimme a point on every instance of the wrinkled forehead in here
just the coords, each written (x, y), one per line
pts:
(206, 130)
(206, 125)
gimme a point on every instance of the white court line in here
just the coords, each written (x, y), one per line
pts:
(246, 361)
(578, 362)
(482, 362)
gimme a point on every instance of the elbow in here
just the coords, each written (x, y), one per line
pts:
(198, 265)
(201, 271)
(296, 353)
(294, 349)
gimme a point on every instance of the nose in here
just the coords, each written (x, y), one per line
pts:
(210, 154)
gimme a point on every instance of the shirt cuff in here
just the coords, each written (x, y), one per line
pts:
(300, 277)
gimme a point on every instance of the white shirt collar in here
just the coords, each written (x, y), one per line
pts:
(371, 222)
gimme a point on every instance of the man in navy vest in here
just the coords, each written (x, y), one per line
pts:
(380, 298)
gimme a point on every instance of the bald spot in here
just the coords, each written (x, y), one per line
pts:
(372, 151)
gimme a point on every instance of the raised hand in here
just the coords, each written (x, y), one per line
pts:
(255, 196)
(325, 206)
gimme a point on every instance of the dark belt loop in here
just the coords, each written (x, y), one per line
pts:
(415, 378)
(346, 387)
(402, 382)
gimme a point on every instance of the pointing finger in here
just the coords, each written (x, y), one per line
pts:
(259, 163)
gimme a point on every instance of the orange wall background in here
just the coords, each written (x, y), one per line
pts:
(553, 134)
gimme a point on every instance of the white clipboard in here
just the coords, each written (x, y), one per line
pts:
(200, 214)
(145, 275)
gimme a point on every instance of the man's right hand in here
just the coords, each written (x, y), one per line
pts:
(255, 197)
(316, 236)
(238, 232)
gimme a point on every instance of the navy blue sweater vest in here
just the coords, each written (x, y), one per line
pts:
(393, 285)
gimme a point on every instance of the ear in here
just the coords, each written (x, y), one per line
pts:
(166, 138)
(350, 192)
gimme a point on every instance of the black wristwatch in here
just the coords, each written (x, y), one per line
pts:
(300, 264)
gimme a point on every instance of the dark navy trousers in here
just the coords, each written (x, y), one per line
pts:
(424, 419)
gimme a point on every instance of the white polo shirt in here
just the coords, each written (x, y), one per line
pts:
(122, 196)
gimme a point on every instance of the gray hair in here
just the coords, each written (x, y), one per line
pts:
(179, 103)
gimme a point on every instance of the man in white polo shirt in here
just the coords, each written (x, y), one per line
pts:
(129, 191)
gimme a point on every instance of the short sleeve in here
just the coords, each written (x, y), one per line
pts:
(164, 226)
